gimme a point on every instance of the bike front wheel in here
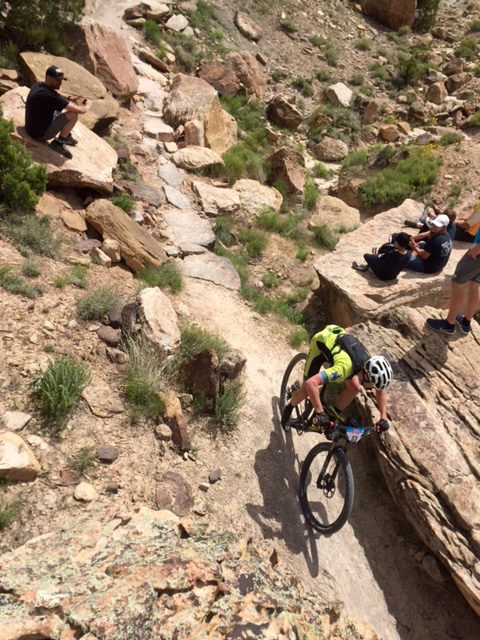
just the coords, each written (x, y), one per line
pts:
(326, 488)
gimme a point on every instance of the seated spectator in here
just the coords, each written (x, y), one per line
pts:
(451, 228)
(389, 260)
(48, 112)
(432, 254)
(430, 211)
(468, 227)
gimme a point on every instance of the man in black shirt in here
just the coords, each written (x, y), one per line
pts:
(432, 255)
(48, 113)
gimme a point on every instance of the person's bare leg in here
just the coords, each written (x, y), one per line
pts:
(456, 299)
(72, 121)
(473, 299)
(352, 387)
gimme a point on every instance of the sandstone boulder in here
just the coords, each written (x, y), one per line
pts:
(201, 375)
(188, 228)
(389, 132)
(80, 82)
(136, 246)
(238, 72)
(372, 111)
(216, 201)
(105, 54)
(156, 558)
(17, 462)
(457, 81)
(158, 319)
(174, 419)
(393, 14)
(350, 296)
(283, 113)
(247, 26)
(339, 94)
(430, 456)
(194, 99)
(93, 159)
(288, 166)
(255, 196)
(335, 214)
(212, 268)
(436, 93)
(192, 158)
(331, 150)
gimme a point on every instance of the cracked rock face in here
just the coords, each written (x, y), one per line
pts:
(150, 575)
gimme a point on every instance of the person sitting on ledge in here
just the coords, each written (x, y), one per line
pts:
(48, 112)
(468, 227)
(425, 228)
(431, 255)
(389, 260)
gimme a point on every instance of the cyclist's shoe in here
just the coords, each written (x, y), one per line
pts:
(463, 324)
(382, 425)
(286, 414)
(440, 325)
(328, 432)
(70, 140)
(60, 148)
(319, 422)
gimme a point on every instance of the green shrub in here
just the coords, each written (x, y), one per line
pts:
(256, 241)
(318, 41)
(195, 339)
(31, 268)
(229, 402)
(455, 190)
(363, 44)
(475, 26)
(426, 14)
(31, 232)
(356, 80)
(303, 85)
(8, 55)
(269, 219)
(84, 460)
(467, 48)
(128, 170)
(21, 182)
(8, 513)
(412, 69)
(13, 283)
(404, 31)
(450, 138)
(288, 25)
(323, 75)
(298, 337)
(325, 238)
(302, 253)
(153, 33)
(123, 201)
(320, 170)
(331, 56)
(96, 304)
(58, 390)
(223, 231)
(380, 73)
(145, 379)
(413, 176)
(474, 120)
(76, 276)
(270, 280)
(203, 17)
(167, 276)
(355, 158)
(311, 194)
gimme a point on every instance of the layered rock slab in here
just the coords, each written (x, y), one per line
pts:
(347, 296)
(118, 576)
(93, 159)
(430, 455)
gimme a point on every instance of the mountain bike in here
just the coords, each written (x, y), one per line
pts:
(326, 477)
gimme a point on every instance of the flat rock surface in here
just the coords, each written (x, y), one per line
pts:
(217, 269)
(188, 227)
(350, 296)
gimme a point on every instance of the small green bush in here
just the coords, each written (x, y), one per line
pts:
(230, 401)
(76, 276)
(269, 219)
(455, 190)
(380, 73)
(404, 31)
(303, 85)
(31, 268)
(96, 304)
(302, 253)
(13, 283)
(270, 280)
(31, 232)
(84, 460)
(450, 138)
(168, 276)
(146, 378)
(58, 390)
(325, 238)
(475, 26)
(8, 55)
(288, 25)
(311, 194)
(128, 170)
(298, 337)
(318, 41)
(474, 120)
(357, 80)
(256, 242)
(320, 170)
(467, 48)
(426, 14)
(331, 56)
(363, 44)
(123, 201)
(223, 231)
(153, 33)
(21, 181)
(355, 158)
(194, 339)
(8, 513)
(323, 75)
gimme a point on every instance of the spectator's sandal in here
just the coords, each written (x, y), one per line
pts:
(358, 266)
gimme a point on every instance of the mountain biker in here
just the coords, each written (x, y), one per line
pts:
(348, 360)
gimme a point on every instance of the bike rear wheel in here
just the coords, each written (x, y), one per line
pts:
(326, 488)
(292, 380)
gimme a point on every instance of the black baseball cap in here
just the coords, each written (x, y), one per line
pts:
(55, 72)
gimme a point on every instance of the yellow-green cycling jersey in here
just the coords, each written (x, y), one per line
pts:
(324, 349)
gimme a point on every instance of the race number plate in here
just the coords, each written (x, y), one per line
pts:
(354, 434)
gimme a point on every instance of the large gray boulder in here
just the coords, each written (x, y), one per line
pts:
(430, 456)
(348, 296)
(93, 159)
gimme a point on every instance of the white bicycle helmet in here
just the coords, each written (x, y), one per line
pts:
(379, 372)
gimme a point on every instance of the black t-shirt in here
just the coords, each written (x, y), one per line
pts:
(42, 102)
(439, 247)
(387, 266)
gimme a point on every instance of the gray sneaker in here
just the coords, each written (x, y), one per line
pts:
(463, 324)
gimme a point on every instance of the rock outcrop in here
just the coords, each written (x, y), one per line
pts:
(136, 246)
(80, 82)
(349, 297)
(430, 455)
(121, 576)
(393, 14)
(93, 159)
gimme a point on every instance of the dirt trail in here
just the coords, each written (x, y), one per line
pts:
(368, 565)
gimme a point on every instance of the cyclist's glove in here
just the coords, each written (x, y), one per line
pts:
(382, 425)
(321, 419)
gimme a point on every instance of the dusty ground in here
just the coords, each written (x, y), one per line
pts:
(369, 564)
